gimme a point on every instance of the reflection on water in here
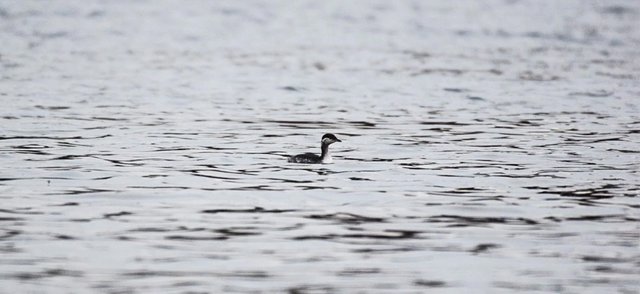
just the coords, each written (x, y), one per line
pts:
(143, 147)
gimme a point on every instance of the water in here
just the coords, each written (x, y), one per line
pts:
(487, 146)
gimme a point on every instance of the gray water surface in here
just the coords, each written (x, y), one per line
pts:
(488, 146)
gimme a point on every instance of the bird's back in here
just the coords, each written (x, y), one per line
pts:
(305, 158)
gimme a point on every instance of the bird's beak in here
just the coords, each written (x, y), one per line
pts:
(338, 140)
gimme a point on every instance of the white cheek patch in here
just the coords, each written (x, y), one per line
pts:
(326, 141)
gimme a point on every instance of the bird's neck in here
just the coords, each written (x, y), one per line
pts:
(326, 156)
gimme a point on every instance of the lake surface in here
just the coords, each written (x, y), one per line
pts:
(488, 146)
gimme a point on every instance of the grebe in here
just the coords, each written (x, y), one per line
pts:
(327, 140)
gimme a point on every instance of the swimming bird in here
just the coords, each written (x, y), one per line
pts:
(325, 157)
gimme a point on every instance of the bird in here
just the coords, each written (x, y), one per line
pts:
(325, 157)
